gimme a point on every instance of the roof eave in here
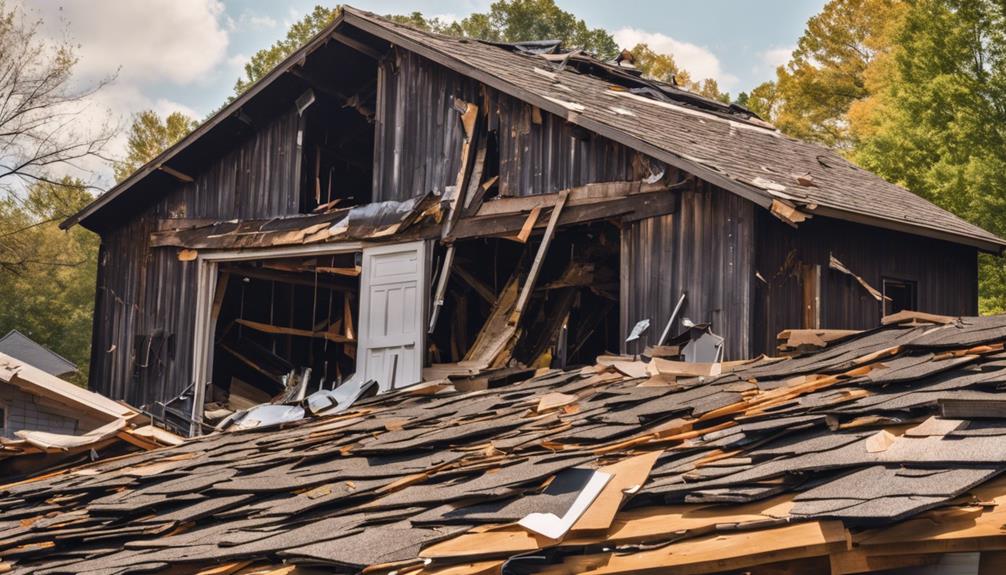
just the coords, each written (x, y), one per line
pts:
(984, 244)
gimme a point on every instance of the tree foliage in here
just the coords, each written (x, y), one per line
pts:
(935, 121)
(149, 135)
(47, 275)
(826, 75)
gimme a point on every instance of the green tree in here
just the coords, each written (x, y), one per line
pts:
(762, 100)
(827, 73)
(299, 33)
(149, 135)
(47, 275)
(526, 20)
(936, 121)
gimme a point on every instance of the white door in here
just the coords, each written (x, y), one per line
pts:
(392, 311)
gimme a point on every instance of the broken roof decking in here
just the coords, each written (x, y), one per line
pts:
(838, 455)
(742, 156)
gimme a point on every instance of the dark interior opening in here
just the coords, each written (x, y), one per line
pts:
(337, 128)
(573, 314)
(899, 295)
(283, 323)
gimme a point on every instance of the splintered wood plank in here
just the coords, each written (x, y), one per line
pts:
(218, 295)
(539, 258)
(476, 568)
(532, 219)
(683, 368)
(554, 400)
(627, 476)
(846, 562)
(496, 332)
(718, 552)
(509, 540)
(225, 569)
(908, 316)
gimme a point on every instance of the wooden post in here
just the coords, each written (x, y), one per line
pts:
(810, 275)
(532, 276)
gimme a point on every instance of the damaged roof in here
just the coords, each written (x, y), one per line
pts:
(879, 445)
(722, 144)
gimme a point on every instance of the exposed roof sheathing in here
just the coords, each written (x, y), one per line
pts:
(820, 456)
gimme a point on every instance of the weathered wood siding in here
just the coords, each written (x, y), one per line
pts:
(704, 249)
(541, 153)
(145, 303)
(417, 146)
(419, 137)
(946, 274)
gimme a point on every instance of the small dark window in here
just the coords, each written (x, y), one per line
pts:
(899, 295)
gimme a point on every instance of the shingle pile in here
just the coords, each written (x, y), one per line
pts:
(839, 456)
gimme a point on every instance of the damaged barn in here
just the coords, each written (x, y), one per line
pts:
(394, 206)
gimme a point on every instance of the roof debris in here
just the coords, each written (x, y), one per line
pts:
(841, 454)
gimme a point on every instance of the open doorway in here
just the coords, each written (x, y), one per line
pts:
(282, 328)
(278, 324)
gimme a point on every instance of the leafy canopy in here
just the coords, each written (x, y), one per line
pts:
(149, 135)
(47, 275)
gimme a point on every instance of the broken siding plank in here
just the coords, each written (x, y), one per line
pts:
(532, 276)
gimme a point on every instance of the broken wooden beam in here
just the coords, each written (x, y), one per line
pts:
(539, 258)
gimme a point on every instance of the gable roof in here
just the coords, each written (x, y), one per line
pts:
(844, 452)
(22, 347)
(747, 158)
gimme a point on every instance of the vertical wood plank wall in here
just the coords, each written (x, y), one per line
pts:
(705, 249)
(946, 274)
(144, 291)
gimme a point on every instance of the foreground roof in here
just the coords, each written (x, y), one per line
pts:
(881, 444)
(727, 147)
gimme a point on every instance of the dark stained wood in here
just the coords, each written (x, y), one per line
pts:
(946, 274)
(705, 249)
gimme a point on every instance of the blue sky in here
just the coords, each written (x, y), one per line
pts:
(185, 55)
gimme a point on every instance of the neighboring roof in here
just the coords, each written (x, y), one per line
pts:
(20, 346)
(885, 444)
(34, 381)
(106, 427)
(733, 151)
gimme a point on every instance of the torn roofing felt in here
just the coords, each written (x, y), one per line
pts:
(724, 145)
(620, 467)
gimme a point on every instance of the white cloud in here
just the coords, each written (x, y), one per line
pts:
(775, 57)
(256, 22)
(699, 61)
(176, 41)
(150, 47)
